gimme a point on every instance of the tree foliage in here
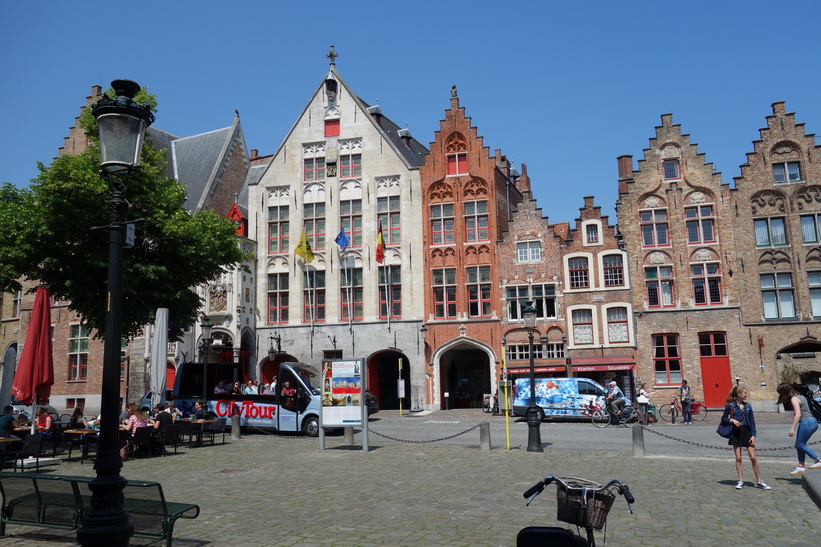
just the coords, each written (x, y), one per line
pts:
(56, 232)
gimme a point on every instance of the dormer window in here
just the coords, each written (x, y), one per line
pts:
(788, 171)
(671, 169)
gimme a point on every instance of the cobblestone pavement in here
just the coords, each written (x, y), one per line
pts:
(282, 490)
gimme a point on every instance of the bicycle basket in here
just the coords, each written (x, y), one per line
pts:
(570, 501)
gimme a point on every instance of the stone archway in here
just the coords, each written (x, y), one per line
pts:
(383, 378)
(465, 373)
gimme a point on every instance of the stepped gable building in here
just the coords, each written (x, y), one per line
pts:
(597, 301)
(467, 199)
(214, 167)
(529, 258)
(776, 212)
(342, 166)
(676, 220)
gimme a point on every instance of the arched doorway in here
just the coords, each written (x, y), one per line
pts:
(384, 369)
(464, 372)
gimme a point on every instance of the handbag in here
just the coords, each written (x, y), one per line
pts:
(642, 399)
(726, 430)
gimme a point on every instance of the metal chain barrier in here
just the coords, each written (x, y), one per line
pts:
(701, 445)
(371, 430)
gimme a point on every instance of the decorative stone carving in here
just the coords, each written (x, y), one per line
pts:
(785, 151)
(697, 197)
(278, 194)
(456, 143)
(657, 258)
(768, 201)
(475, 189)
(387, 186)
(350, 145)
(440, 191)
(652, 202)
(806, 196)
(670, 151)
(703, 255)
(313, 149)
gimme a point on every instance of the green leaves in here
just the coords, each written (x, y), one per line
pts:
(57, 231)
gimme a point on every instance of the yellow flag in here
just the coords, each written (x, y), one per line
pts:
(303, 249)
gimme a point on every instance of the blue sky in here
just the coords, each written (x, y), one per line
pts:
(564, 87)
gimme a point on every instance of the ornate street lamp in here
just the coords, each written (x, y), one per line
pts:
(534, 424)
(205, 346)
(121, 123)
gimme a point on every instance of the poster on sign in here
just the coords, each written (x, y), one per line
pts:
(343, 393)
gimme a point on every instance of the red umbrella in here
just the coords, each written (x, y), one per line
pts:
(35, 371)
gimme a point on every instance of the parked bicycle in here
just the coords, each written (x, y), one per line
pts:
(603, 417)
(670, 412)
(580, 502)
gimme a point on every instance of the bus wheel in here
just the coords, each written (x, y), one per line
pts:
(310, 426)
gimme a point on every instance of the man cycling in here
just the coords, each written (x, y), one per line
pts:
(615, 398)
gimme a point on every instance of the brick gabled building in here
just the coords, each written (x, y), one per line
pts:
(597, 300)
(777, 213)
(676, 218)
(530, 269)
(467, 198)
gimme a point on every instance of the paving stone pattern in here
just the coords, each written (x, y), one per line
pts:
(273, 490)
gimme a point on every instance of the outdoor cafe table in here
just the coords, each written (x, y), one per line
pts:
(84, 442)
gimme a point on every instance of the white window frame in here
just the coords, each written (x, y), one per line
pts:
(531, 250)
(625, 277)
(595, 225)
(605, 318)
(573, 335)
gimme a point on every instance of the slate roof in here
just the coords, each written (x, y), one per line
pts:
(194, 159)
(162, 140)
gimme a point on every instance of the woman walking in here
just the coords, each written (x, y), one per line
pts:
(739, 413)
(805, 423)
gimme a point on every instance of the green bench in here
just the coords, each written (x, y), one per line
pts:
(60, 501)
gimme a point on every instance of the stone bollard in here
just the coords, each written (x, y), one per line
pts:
(235, 432)
(348, 435)
(638, 441)
(484, 436)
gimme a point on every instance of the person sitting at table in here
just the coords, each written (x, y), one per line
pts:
(7, 421)
(135, 419)
(199, 411)
(78, 421)
(45, 423)
(162, 419)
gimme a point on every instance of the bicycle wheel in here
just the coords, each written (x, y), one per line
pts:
(600, 418)
(667, 412)
(631, 417)
(699, 411)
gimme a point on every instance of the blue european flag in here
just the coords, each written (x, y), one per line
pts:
(342, 240)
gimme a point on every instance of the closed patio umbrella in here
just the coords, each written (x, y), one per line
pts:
(159, 356)
(35, 370)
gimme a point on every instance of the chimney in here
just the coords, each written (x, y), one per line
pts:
(625, 171)
(254, 153)
(524, 180)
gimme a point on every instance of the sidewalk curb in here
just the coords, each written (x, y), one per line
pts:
(812, 484)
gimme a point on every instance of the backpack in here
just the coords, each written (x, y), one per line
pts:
(815, 406)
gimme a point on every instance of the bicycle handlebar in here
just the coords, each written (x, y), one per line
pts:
(539, 487)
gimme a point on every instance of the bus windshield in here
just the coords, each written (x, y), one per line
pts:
(309, 375)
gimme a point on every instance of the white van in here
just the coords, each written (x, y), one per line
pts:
(559, 397)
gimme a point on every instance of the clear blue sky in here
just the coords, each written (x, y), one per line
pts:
(564, 87)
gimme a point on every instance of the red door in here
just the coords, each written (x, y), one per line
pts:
(715, 368)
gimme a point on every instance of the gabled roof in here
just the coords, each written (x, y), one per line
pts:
(162, 140)
(195, 159)
(412, 154)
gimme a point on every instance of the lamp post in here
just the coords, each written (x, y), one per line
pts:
(534, 424)
(206, 325)
(121, 123)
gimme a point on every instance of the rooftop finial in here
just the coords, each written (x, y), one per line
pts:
(332, 55)
(453, 94)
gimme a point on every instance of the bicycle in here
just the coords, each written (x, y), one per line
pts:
(669, 412)
(580, 502)
(603, 417)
